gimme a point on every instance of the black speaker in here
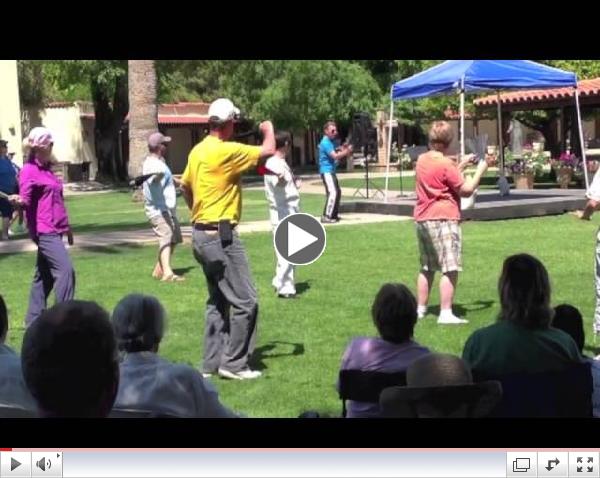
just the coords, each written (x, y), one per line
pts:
(364, 134)
(361, 122)
(371, 146)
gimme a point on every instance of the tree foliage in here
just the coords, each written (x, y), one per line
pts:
(293, 93)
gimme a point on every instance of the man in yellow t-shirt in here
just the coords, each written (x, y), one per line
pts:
(211, 185)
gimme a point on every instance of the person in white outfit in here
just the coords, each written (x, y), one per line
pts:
(593, 204)
(281, 189)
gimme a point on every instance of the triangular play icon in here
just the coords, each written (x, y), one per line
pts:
(298, 239)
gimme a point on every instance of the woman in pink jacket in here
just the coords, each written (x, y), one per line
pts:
(41, 195)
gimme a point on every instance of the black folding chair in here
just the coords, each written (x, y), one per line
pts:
(133, 413)
(452, 401)
(363, 386)
(566, 393)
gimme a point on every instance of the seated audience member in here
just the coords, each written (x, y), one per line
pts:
(13, 391)
(521, 341)
(568, 319)
(394, 313)
(440, 386)
(70, 361)
(149, 382)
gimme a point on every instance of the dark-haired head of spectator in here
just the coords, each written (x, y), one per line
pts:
(394, 313)
(139, 323)
(70, 362)
(524, 289)
(568, 319)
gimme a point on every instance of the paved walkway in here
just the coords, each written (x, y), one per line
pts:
(142, 236)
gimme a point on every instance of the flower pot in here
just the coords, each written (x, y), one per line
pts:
(524, 181)
(564, 176)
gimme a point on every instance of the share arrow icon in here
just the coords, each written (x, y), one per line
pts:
(550, 466)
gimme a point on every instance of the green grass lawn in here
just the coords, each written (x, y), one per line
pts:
(116, 211)
(301, 341)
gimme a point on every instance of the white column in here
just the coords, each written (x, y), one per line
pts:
(10, 109)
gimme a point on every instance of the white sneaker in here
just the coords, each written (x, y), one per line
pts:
(452, 319)
(421, 313)
(206, 375)
(246, 374)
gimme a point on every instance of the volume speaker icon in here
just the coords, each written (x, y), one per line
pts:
(43, 464)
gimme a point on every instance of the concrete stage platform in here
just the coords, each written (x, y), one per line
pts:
(488, 206)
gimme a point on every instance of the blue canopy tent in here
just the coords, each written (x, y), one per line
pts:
(472, 76)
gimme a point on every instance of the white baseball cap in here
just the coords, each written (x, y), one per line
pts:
(223, 110)
(40, 137)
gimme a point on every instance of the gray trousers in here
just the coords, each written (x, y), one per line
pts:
(52, 270)
(232, 305)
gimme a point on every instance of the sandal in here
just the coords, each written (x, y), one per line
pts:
(172, 278)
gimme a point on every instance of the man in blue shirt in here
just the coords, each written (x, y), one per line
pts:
(329, 155)
(8, 185)
(19, 214)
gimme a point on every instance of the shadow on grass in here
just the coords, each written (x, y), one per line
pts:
(182, 271)
(116, 249)
(462, 310)
(302, 287)
(594, 349)
(265, 352)
(106, 227)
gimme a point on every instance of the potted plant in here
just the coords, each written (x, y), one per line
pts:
(525, 168)
(565, 166)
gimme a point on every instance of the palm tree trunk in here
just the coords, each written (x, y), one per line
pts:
(143, 111)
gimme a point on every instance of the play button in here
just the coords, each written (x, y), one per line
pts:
(300, 239)
(14, 464)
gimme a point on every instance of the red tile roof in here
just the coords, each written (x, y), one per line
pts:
(178, 113)
(586, 88)
(189, 119)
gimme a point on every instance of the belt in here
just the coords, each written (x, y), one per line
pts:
(200, 226)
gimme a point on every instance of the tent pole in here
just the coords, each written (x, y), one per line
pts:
(462, 119)
(581, 140)
(389, 148)
(500, 140)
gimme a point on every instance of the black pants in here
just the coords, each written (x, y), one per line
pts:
(334, 195)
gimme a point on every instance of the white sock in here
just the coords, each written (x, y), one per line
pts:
(421, 309)
(446, 313)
